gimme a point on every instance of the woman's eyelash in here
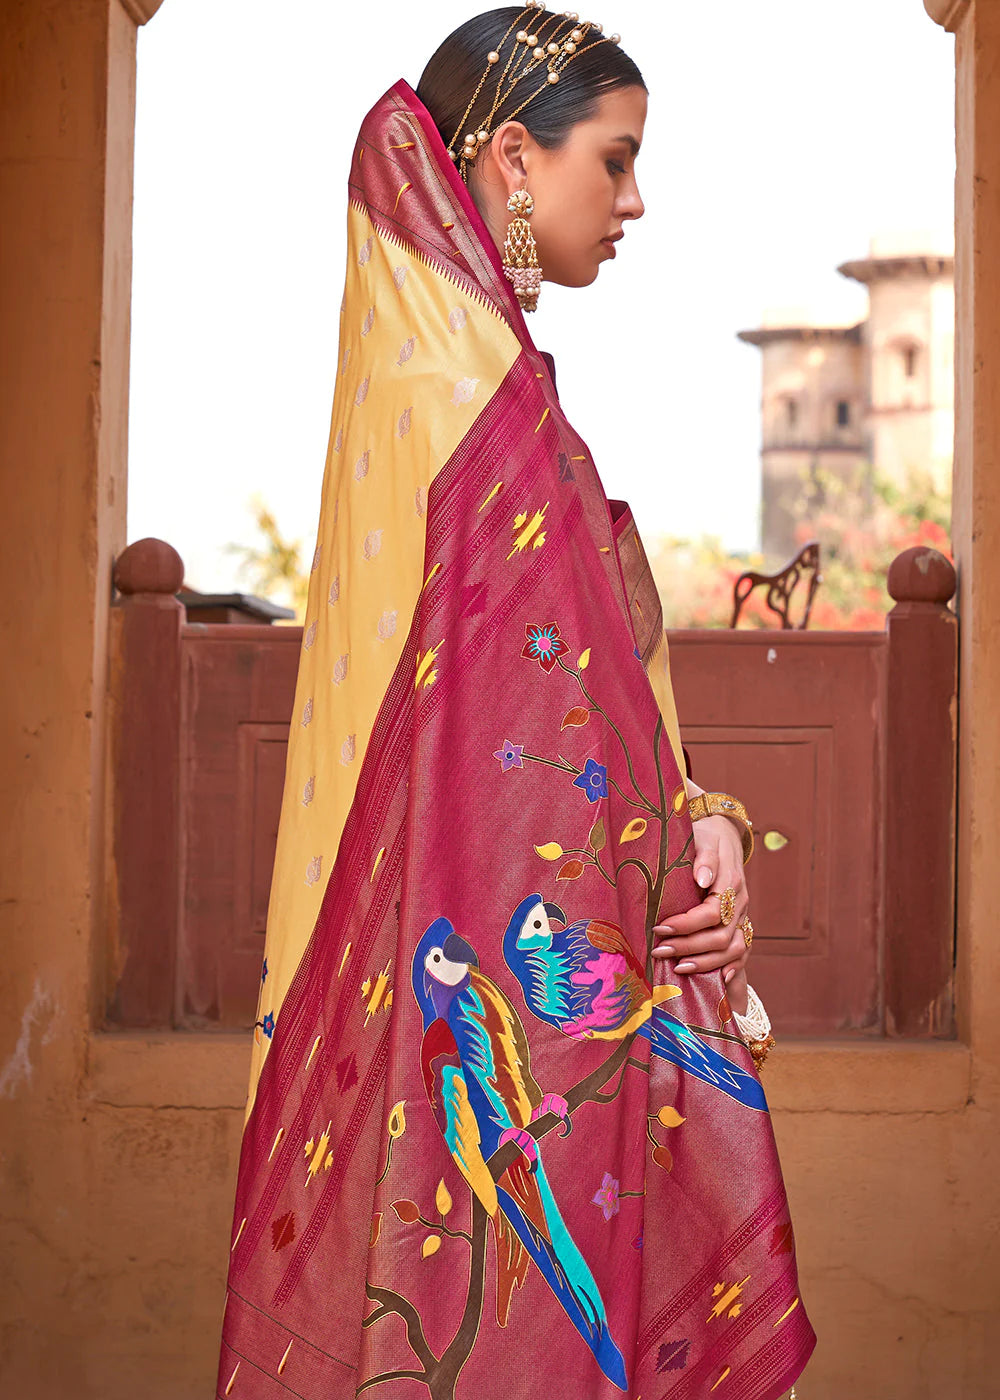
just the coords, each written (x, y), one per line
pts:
(616, 167)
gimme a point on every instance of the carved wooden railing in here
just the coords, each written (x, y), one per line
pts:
(842, 745)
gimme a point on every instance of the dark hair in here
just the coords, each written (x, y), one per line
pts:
(449, 80)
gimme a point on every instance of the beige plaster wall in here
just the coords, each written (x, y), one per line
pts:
(117, 1151)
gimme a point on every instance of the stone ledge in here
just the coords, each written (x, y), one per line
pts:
(201, 1070)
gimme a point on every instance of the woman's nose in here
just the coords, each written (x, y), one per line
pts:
(631, 205)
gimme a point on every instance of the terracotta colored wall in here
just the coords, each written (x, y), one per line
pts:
(118, 1150)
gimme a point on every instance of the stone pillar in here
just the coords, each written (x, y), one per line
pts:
(66, 143)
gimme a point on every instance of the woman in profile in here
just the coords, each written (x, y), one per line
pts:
(506, 1136)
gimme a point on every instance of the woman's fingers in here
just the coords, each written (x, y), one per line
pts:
(702, 916)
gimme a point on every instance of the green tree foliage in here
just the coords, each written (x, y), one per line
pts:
(273, 568)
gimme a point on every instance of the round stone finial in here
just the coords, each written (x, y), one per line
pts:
(149, 566)
(921, 575)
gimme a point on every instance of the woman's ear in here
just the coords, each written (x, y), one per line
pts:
(508, 149)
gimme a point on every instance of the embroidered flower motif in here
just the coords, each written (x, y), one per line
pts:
(399, 277)
(361, 466)
(373, 543)
(338, 441)
(263, 973)
(307, 713)
(340, 669)
(607, 1196)
(362, 393)
(405, 418)
(348, 749)
(365, 251)
(387, 624)
(593, 781)
(317, 556)
(314, 869)
(334, 591)
(368, 322)
(308, 793)
(420, 501)
(406, 353)
(510, 756)
(544, 644)
(268, 1025)
(310, 636)
(457, 319)
(464, 392)
(343, 363)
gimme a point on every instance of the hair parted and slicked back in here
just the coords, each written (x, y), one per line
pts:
(452, 74)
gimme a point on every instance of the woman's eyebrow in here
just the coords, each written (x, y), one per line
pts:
(629, 141)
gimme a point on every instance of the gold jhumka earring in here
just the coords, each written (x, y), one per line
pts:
(520, 253)
(542, 42)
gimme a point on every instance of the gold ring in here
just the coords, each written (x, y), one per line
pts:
(727, 905)
(746, 928)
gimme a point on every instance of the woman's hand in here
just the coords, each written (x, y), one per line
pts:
(697, 938)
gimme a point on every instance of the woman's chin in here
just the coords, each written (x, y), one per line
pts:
(579, 277)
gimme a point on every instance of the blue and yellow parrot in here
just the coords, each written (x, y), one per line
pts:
(477, 1074)
(585, 980)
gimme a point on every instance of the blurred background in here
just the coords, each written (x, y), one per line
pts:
(804, 138)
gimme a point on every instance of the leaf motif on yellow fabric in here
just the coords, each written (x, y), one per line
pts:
(343, 363)
(406, 351)
(317, 556)
(635, 829)
(334, 591)
(405, 418)
(362, 393)
(407, 1211)
(669, 1117)
(369, 321)
(572, 870)
(578, 716)
(550, 851)
(396, 1124)
(399, 277)
(340, 669)
(464, 392)
(430, 1246)
(310, 636)
(387, 624)
(348, 749)
(314, 869)
(365, 252)
(309, 791)
(373, 543)
(307, 713)
(679, 798)
(376, 1230)
(420, 500)
(442, 1199)
(361, 466)
(457, 319)
(338, 441)
(598, 838)
(584, 661)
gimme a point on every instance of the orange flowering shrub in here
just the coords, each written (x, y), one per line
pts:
(861, 524)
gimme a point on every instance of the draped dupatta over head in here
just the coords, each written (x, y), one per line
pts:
(493, 1150)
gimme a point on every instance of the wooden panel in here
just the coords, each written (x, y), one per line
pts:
(238, 689)
(793, 723)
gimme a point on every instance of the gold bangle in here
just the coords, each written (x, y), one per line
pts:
(723, 804)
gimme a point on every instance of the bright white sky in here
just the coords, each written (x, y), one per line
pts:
(781, 137)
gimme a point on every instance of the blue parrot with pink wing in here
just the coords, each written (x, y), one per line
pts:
(585, 980)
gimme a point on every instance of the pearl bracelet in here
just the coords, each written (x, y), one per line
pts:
(755, 1028)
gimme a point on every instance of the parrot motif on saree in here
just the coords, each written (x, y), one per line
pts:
(482, 1160)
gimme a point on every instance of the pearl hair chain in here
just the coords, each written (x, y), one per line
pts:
(551, 43)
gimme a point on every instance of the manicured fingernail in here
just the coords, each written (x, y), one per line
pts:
(668, 949)
(685, 967)
(659, 953)
(704, 877)
(728, 975)
(666, 928)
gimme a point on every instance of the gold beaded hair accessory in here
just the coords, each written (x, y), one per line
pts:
(548, 44)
